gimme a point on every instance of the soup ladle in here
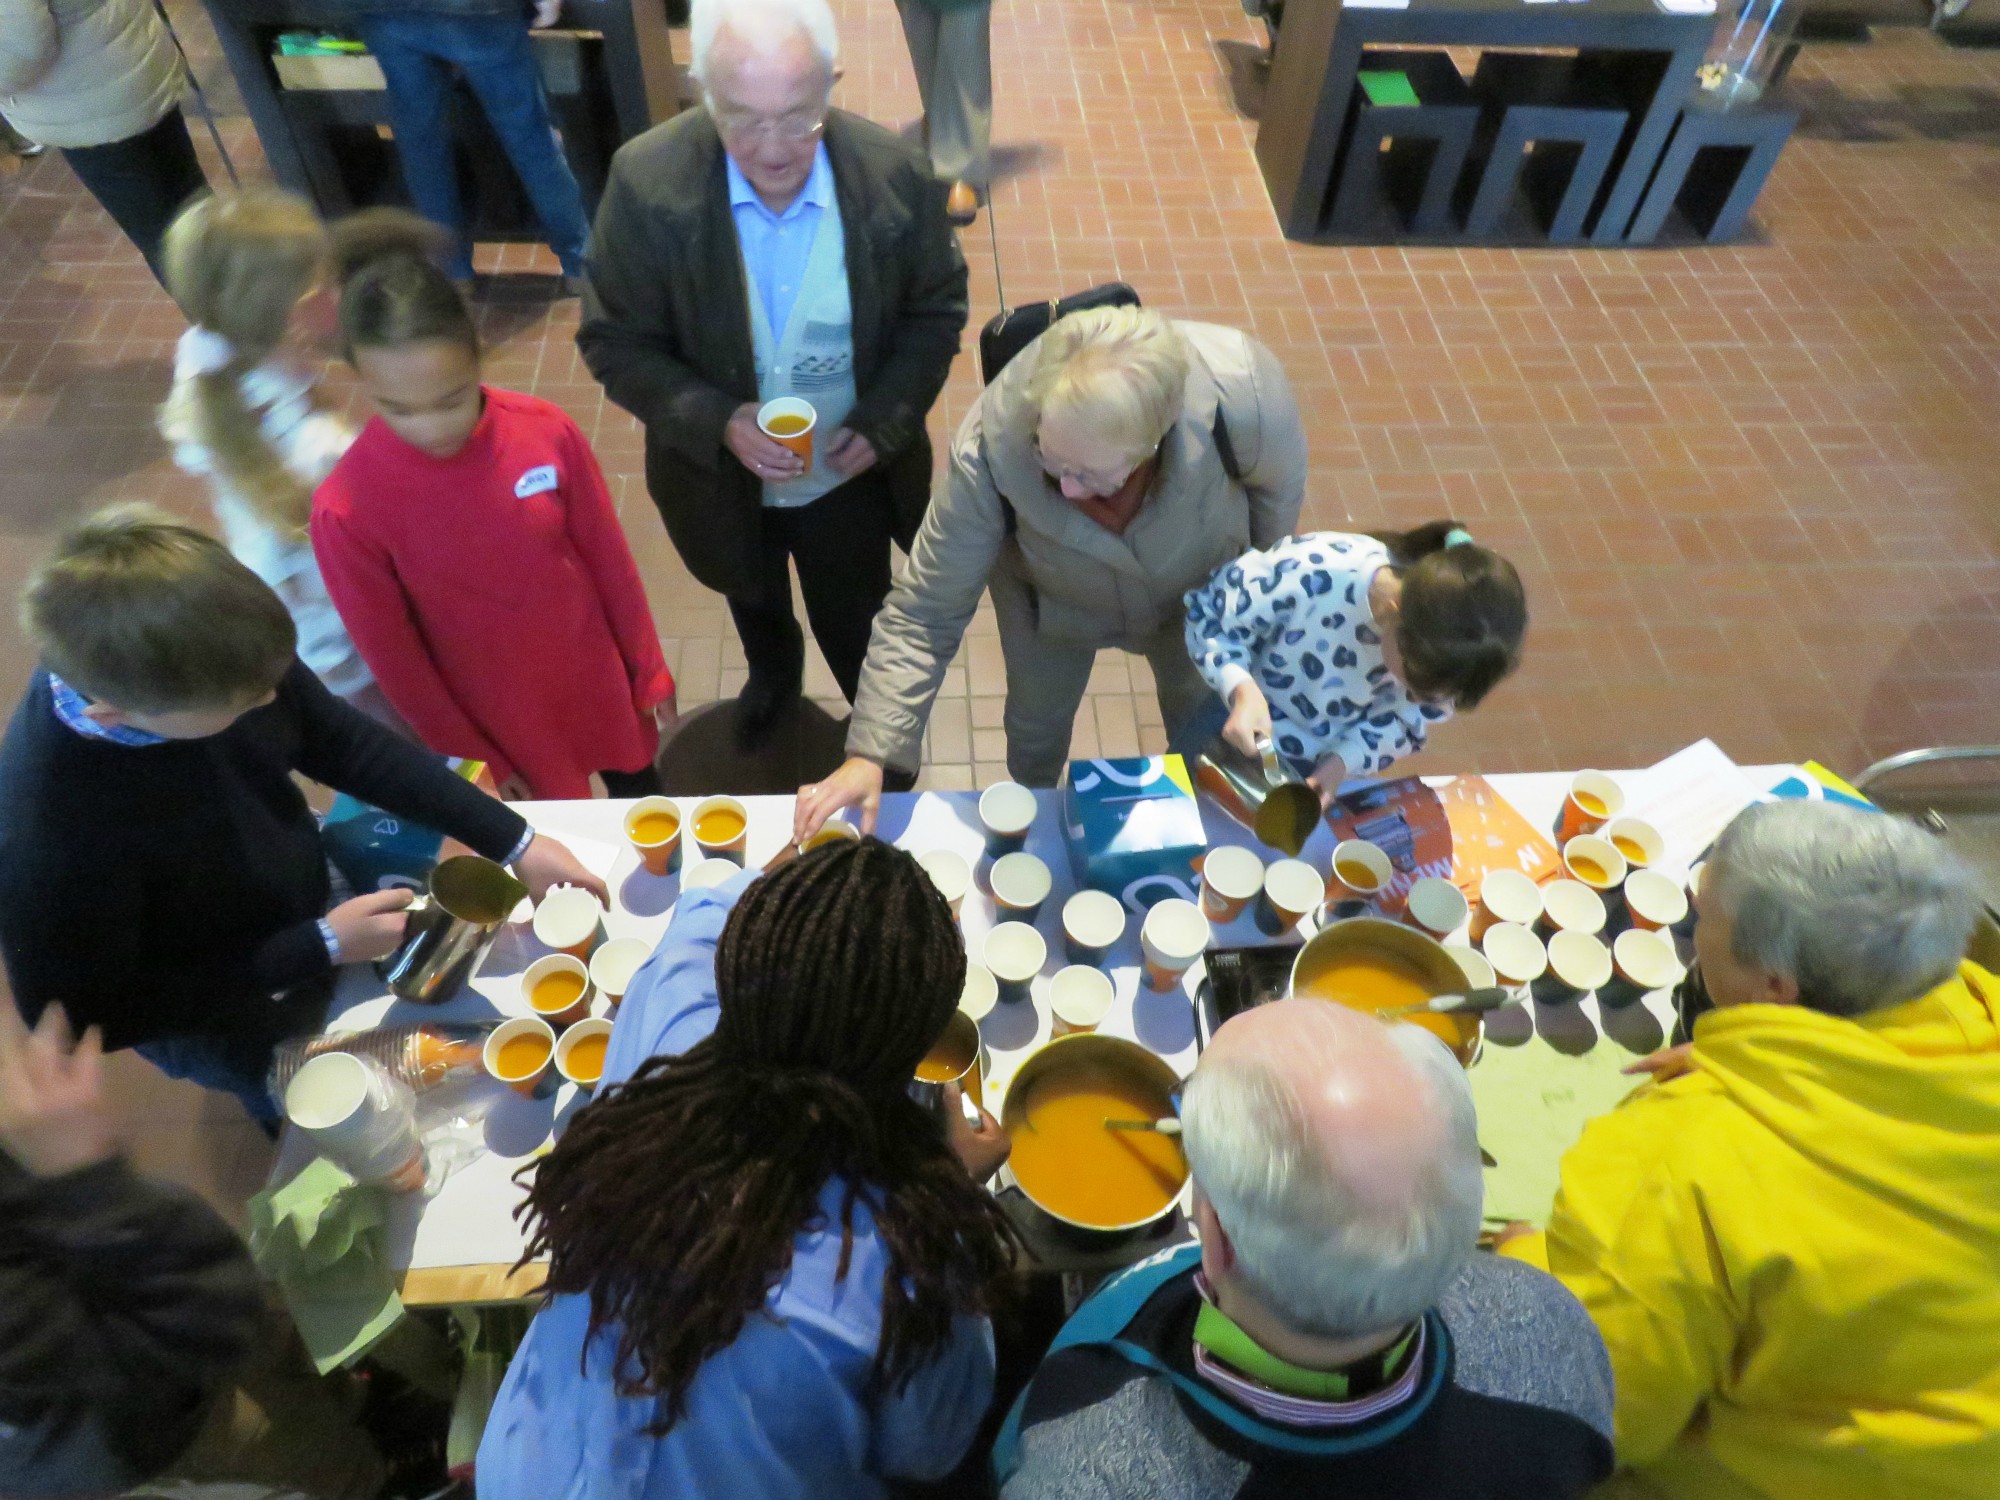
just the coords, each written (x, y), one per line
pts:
(1471, 1003)
(1162, 1127)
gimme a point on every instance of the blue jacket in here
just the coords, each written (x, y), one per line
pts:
(785, 1410)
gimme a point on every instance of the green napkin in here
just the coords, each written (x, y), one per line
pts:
(1387, 88)
(1533, 1103)
(320, 1237)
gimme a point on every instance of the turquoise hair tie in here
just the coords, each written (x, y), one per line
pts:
(1458, 536)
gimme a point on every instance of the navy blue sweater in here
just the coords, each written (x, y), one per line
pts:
(175, 889)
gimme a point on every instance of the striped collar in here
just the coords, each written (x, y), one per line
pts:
(1215, 1335)
(71, 706)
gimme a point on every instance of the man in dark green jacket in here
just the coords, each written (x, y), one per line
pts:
(768, 246)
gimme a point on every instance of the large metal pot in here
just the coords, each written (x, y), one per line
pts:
(1440, 972)
(1088, 1055)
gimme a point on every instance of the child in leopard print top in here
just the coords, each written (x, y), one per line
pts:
(1345, 648)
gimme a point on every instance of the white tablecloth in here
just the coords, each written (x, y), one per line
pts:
(469, 1220)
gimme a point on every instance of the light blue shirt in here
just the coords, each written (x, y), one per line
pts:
(775, 246)
(784, 1413)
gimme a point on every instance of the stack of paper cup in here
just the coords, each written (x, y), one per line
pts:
(359, 1118)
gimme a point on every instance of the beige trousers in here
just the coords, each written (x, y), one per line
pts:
(1046, 681)
(951, 54)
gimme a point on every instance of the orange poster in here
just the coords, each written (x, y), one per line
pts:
(1488, 834)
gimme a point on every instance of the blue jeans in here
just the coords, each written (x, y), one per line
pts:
(418, 54)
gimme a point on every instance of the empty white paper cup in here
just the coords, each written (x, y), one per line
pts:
(1472, 963)
(1505, 896)
(950, 873)
(1570, 906)
(1655, 900)
(569, 920)
(1231, 877)
(1518, 957)
(1015, 953)
(1079, 999)
(1093, 922)
(359, 1118)
(1006, 811)
(613, 965)
(1292, 888)
(1174, 935)
(704, 873)
(1641, 961)
(1020, 884)
(981, 992)
(1436, 905)
(1578, 963)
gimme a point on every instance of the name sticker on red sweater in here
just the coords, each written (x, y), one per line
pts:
(538, 480)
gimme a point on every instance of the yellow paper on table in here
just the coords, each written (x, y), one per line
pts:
(1533, 1103)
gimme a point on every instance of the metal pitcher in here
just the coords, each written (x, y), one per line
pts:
(1260, 794)
(449, 928)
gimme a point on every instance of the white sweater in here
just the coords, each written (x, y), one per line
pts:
(1294, 618)
(309, 442)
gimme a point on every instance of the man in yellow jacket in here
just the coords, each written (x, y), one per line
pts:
(1792, 1248)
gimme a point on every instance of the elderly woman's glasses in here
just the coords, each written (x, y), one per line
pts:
(798, 127)
(1098, 482)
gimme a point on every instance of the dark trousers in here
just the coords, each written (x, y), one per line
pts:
(142, 181)
(841, 545)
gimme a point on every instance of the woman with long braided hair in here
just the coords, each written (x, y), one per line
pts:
(769, 1267)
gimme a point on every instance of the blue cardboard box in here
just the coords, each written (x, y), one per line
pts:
(1133, 828)
(379, 851)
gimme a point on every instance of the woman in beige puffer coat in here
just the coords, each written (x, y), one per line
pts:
(101, 80)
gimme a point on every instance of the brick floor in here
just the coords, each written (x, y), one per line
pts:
(1750, 487)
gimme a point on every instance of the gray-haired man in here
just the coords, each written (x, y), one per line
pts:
(1334, 1332)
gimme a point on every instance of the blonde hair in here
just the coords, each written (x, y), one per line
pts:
(238, 264)
(138, 611)
(1121, 371)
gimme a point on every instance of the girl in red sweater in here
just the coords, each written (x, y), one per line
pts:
(470, 544)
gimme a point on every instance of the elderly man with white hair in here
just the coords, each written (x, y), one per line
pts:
(1334, 1332)
(1113, 465)
(1792, 1245)
(769, 245)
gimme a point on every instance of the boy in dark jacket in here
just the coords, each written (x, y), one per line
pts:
(160, 870)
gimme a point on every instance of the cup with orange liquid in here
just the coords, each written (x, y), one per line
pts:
(613, 965)
(569, 920)
(653, 826)
(558, 989)
(832, 831)
(1594, 860)
(1640, 842)
(1079, 999)
(721, 828)
(1505, 896)
(957, 1056)
(1594, 799)
(790, 421)
(1361, 873)
(520, 1053)
(580, 1052)
(1231, 877)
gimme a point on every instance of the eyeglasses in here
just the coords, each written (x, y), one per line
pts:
(798, 127)
(1096, 482)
